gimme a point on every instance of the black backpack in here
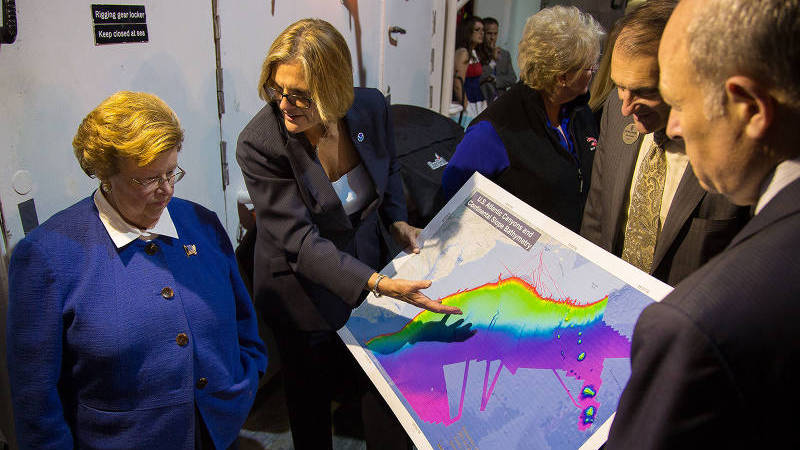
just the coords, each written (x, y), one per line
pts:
(425, 142)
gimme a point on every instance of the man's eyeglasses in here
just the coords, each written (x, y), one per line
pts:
(593, 68)
(299, 101)
(153, 183)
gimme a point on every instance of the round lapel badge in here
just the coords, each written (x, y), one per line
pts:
(630, 134)
(360, 137)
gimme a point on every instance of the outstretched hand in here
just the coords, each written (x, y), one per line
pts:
(409, 292)
(406, 236)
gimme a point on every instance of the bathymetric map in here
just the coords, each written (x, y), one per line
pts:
(539, 357)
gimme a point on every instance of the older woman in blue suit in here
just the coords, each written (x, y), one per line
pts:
(319, 163)
(129, 326)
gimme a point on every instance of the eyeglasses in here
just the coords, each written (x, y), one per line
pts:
(154, 183)
(593, 68)
(300, 101)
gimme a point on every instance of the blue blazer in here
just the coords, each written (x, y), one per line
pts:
(312, 261)
(95, 350)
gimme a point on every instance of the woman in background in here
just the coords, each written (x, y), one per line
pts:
(319, 163)
(128, 323)
(537, 141)
(468, 69)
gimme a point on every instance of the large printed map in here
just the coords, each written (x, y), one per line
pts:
(539, 357)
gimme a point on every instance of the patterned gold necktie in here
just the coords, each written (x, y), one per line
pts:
(642, 229)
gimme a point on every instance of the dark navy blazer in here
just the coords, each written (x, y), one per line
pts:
(715, 364)
(312, 261)
(94, 356)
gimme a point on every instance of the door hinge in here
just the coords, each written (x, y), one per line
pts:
(218, 60)
(223, 156)
(220, 93)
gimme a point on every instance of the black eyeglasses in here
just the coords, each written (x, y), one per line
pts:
(153, 183)
(300, 101)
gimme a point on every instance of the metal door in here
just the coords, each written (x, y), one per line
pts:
(412, 52)
(54, 74)
(248, 27)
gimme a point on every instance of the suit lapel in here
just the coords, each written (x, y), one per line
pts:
(359, 133)
(623, 160)
(620, 159)
(312, 180)
(687, 197)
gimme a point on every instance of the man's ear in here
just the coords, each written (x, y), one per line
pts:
(752, 104)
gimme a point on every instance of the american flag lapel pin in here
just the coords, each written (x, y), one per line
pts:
(190, 249)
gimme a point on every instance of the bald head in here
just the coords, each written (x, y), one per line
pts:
(759, 39)
(736, 123)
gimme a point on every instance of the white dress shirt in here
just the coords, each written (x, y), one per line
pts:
(783, 175)
(123, 233)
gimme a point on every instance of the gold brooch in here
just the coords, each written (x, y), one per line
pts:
(191, 250)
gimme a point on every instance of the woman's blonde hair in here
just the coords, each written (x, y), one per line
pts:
(325, 58)
(128, 125)
(601, 83)
(555, 41)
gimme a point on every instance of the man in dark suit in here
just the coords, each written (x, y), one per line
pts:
(715, 363)
(678, 226)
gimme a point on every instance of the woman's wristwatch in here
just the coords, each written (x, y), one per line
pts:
(377, 282)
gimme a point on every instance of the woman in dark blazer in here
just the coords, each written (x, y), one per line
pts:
(128, 323)
(319, 164)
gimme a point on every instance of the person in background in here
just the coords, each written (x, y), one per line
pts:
(538, 142)
(497, 72)
(128, 323)
(645, 204)
(711, 362)
(468, 69)
(320, 166)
